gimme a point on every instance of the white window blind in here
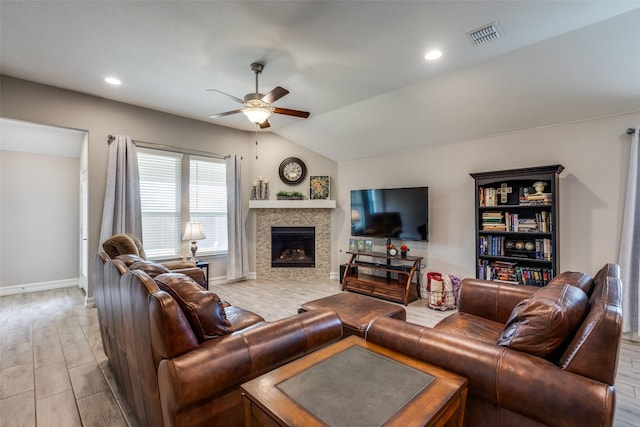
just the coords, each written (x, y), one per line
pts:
(203, 179)
(160, 176)
(208, 201)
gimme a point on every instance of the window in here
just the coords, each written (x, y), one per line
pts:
(175, 189)
(208, 201)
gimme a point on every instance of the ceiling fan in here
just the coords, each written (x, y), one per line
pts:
(257, 107)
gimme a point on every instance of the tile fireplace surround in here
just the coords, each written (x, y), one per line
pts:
(281, 217)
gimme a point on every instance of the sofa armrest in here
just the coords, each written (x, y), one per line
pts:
(197, 274)
(222, 364)
(490, 299)
(516, 381)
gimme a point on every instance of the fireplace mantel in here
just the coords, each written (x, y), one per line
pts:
(292, 204)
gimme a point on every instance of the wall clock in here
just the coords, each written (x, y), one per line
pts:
(292, 170)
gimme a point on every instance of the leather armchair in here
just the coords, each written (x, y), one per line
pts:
(509, 387)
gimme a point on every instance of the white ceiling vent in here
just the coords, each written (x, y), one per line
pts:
(485, 34)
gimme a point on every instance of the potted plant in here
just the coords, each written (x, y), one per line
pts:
(289, 195)
(403, 250)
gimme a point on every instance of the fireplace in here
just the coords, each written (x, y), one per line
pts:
(293, 247)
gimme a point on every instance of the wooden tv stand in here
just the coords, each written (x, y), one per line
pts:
(395, 283)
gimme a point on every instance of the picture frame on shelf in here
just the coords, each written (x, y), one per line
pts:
(368, 245)
(353, 245)
(320, 187)
(360, 245)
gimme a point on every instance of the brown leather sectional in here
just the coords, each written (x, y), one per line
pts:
(179, 354)
(533, 356)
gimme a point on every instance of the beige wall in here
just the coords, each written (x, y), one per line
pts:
(28, 101)
(39, 221)
(594, 154)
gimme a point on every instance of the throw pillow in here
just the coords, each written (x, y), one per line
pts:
(580, 280)
(541, 324)
(203, 308)
(151, 268)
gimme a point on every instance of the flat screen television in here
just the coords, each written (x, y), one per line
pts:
(399, 213)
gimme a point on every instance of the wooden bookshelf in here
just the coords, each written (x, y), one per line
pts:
(516, 218)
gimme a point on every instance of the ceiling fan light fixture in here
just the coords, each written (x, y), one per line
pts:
(257, 111)
(256, 114)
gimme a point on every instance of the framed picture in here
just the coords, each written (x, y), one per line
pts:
(319, 187)
(360, 246)
(353, 245)
(368, 245)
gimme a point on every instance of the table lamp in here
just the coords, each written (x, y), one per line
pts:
(193, 231)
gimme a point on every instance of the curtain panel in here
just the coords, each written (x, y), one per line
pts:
(238, 254)
(122, 211)
(629, 256)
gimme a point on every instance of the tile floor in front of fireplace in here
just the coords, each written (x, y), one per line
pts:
(53, 371)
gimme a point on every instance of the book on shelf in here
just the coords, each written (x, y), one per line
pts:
(544, 199)
(512, 273)
(493, 221)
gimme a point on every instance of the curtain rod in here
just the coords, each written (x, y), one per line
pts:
(154, 145)
(631, 131)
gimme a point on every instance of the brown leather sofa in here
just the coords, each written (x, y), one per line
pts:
(533, 356)
(179, 354)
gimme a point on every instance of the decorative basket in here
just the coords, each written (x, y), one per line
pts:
(442, 291)
(442, 300)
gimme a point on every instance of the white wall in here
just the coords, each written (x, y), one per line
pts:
(39, 219)
(594, 154)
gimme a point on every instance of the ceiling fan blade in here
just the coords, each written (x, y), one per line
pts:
(227, 113)
(275, 94)
(288, 112)
(265, 124)
(241, 101)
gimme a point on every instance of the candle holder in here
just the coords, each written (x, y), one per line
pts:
(254, 193)
(260, 190)
(265, 191)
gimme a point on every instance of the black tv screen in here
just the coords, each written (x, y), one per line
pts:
(400, 213)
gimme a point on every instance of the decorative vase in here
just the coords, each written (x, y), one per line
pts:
(403, 254)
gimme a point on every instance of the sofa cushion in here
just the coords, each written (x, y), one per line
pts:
(471, 326)
(541, 324)
(580, 280)
(203, 308)
(151, 268)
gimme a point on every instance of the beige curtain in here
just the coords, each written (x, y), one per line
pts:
(122, 211)
(629, 256)
(238, 255)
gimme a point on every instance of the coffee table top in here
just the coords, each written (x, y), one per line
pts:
(356, 310)
(354, 383)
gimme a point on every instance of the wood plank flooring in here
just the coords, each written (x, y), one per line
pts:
(53, 370)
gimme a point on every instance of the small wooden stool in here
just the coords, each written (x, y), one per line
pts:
(355, 310)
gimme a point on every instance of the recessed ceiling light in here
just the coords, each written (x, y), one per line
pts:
(433, 54)
(112, 81)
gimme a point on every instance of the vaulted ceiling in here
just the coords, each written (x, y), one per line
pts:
(357, 66)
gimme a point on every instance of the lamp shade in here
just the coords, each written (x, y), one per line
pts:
(193, 231)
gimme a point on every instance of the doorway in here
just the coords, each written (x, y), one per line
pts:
(41, 222)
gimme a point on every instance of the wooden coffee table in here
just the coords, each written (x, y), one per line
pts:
(333, 387)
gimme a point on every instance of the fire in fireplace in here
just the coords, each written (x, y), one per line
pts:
(293, 246)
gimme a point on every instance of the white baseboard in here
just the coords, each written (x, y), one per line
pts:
(252, 275)
(334, 275)
(89, 302)
(37, 287)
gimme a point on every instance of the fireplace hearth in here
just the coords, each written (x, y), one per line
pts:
(293, 247)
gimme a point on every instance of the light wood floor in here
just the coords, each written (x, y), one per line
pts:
(53, 371)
